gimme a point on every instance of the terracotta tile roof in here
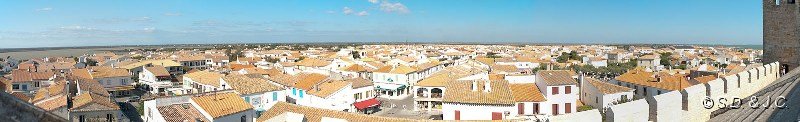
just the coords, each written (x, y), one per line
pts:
(287, 64)
(256, 70)
(461, 92)
(504, 68)
(25, 76)
(316, 114)
(527, 92)
(181, 113)
(306, 81)
(237, 67)
(326, 89)
(668, 82)
(222, 104)
(605, 87)
(360, 82)
(52, 90)
(92, 102)
(487, 61)
(400, 69)
(158, 70)
(54, 103)
(357, 68)
(246, 85)
(21, 96)
(82, 73)
(650, 57)
(440, 79)
(313, 62)
(704, 79)
(557, 77)
(165, 63)
(91, 86)
(284, 79)
(205, 77)
(376, 64)
(105, 72)
(191, 58)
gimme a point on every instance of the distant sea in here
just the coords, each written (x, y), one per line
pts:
(758, 47)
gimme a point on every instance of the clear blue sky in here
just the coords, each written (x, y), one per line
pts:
(29, 23)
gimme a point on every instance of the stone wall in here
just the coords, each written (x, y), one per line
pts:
(688, 104)
(583, 116)
(781, 35)
(666, 107)
(633, 111)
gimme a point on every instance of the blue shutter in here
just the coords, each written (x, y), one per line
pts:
(247, 99)
(294, 91)
(274, 96)
(301, 93)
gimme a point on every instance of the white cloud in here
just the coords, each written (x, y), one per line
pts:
(330, 12)
(362, 13)
(373, 1)
(347, 10)
(390, 7)
(172, 14)
(149, 29)
(76, 28)
(44, 9)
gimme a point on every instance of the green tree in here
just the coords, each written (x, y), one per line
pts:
(492, 55)
(91, 62)
(356, 54)
(665, 59)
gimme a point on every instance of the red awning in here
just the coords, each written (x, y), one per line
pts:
(366, 104)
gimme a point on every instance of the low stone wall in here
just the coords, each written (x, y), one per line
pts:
(583, 116)
(633, 111)
(666, 107)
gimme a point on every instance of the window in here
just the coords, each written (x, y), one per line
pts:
(247, 99)
(81, 118)
(497, 116)
(568, 108)
(554, 90)
(520, 108)
(458, 115)
(294, 91)
(24, 87)
(659, 91)
(535, 108)
(555, 109)
(244, 118)
(109, 117)
(790, 1)
(15, 86)
(274, 96)
(597, 100)
(35, 84)
(568, 90)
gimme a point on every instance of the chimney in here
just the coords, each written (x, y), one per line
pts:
(474, 85)
(580, 78)
(487, 86)
(658, 78)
